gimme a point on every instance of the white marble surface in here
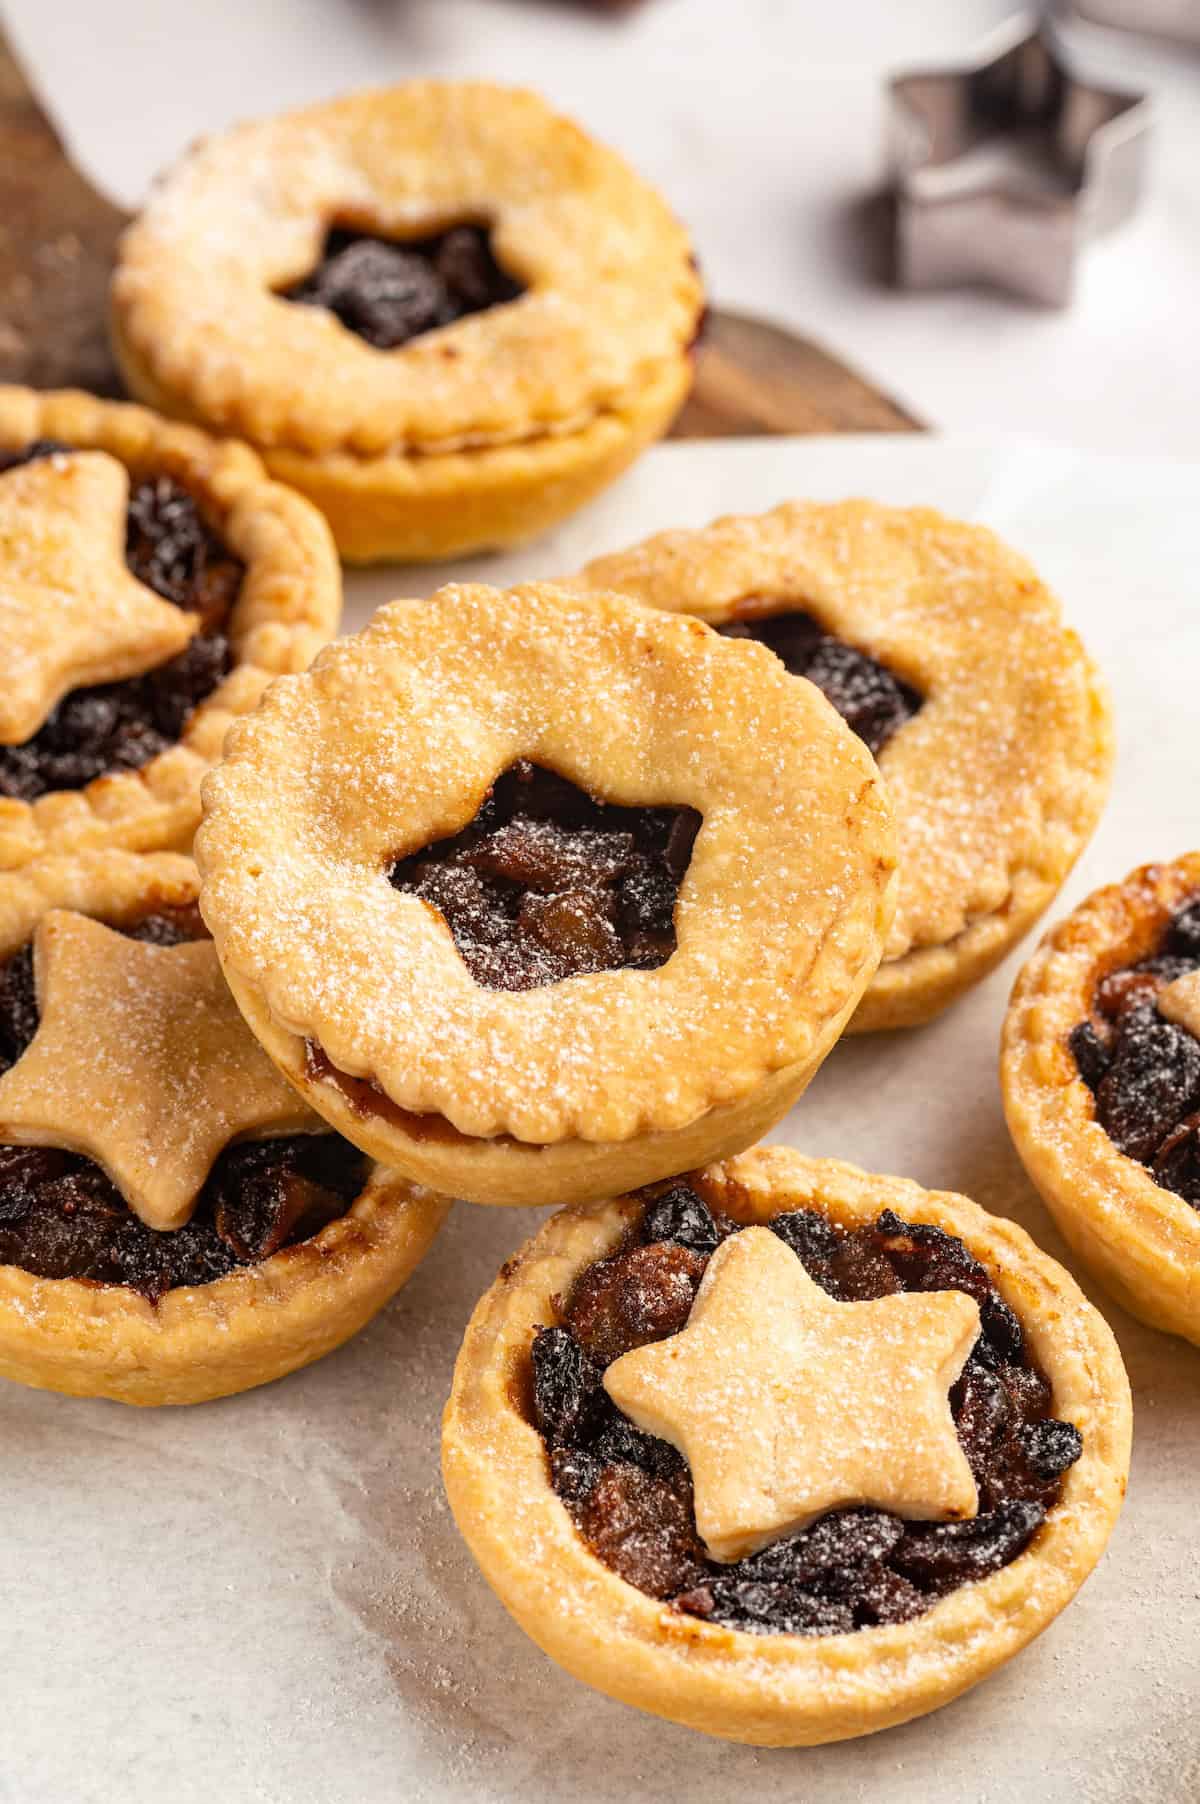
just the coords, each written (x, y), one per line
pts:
(762, 121)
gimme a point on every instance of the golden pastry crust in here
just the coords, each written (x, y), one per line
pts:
(392, 741)
(998, 781)
(787, 1403)
(210, 1340)
(1140, 1239)
(580, 371)
(71, 612)
(422, 508)
(774, 1690)
(288, 606)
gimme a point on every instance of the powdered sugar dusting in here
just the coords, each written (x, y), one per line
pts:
(142, 1062)
(611, 294)
(70, 612)
(392, 741)
(1002, 773)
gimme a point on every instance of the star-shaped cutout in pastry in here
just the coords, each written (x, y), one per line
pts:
(71, 614)
(1005, 166)
(142, 1062)
(787, 1404)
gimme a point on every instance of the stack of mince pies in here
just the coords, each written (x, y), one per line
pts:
(561, 895)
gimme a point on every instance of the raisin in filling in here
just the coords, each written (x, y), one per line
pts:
(547, 883)
(390, 293)
(630, 1495)
(1143, 1070)
(869, 698)
(121, 726)
(61, 1216)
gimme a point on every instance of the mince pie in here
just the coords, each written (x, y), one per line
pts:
(175, 1224)
(439, 310)
(152, 582)
(515, 888)
(1101, 1075)
(785, 1451)
(949, 659)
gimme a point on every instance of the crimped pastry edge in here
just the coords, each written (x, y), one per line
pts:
(1142, 1241)
(289, 605)
(774, 1690)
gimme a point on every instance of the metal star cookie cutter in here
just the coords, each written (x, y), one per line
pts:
(1005, 168)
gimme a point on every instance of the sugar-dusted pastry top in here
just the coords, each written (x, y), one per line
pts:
(152, 580)
(585, 1525)
(999, 772)
(767, 1423)
(392, 742)
(115, 615)
(610, 294)
(787, 1405)
(130, 1093)
(141, 1061)
(71, 613)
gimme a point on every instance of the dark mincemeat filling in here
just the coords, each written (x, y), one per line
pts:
(62, 1217)
(630, 1495)
(389, 293)
(1143, 1070)
(121, 726)
(869, 698)
(546, 883)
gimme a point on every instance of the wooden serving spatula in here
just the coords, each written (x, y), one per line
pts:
(58, 239)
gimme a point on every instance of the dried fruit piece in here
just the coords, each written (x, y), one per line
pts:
(1152, 1082)
(566, 1388)
(939, 1556)
(860, 1271)
(170, 548)
(1050, 1447)
(619, 1440)
(981, 1413)
(1090, 1053)
(886, 1596)
(812, 1238)
(268, 1193)
(827, 1556)
(390, 293)
(871, 701)
(678, 1214)
(18, 1006)
(574, 930)
(1182, 938)
(766, 1609)
(1177, 1166)
(633, 1297)
(644, 1528)
(574, 1473)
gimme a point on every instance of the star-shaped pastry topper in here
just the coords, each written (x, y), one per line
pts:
(1004, 167)
(71, 614)
(787, 1404)
(142, 1062)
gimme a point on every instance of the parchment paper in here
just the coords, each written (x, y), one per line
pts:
(265, 1599)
